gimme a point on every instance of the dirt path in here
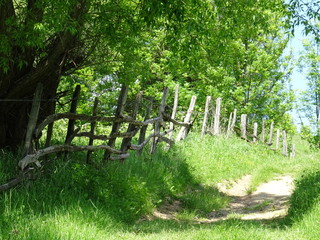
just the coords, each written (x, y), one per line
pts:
(269, 201)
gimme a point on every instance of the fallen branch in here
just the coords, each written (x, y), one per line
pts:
(14, 182)
(33, 158)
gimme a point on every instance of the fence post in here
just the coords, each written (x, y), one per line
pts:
(285, 146)
(244, 126)
(158, 123)
(255, 132)
(263, 132)
(277, 139)
(143, 130)
(126, 142)
(205, 118)
(216, 126)
(183, 131)
(234, 119)
(92, 128)
(33, 118)
(73, 109)
(229, 124)
(270, 134)
(174, 110)
(116, 125)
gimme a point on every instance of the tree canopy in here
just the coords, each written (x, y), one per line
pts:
(229, 49)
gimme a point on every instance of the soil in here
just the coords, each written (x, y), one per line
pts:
(269, 201)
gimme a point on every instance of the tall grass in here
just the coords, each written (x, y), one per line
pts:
(72, 200)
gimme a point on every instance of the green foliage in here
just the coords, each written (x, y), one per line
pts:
(306, 195)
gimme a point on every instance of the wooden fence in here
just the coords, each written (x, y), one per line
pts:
(134, 127)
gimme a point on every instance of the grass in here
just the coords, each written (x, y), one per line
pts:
(70, 200)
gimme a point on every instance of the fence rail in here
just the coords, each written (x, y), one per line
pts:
(134, 127)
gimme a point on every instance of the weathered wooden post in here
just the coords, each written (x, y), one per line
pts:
(116, 125)
(270, 134)
(277, 139)
(234, 119)
(157, 125)
(92, 128)
(229, 124)
(216, 126)
(126, 142)
(33, 118)
(73, 109)
(263, 132)
(143, 129)
(244, 126)
(174, 110)
(205, 118)
(255, 132)
(285, 146)
(183, 131)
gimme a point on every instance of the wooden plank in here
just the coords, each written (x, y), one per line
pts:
(73, 109)
(229, 124)
(33, 118)
(92, 128)
(244, 126)
(157, 124)
(234, 119)
(116, 125)
(216, 126)
(143, 129)
(205, 118)
(183, 131)
(174, 110)
(126, 142)
(284, 143)
(270, 134)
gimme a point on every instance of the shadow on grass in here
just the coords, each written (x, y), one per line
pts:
(121, 191)
(305, 196)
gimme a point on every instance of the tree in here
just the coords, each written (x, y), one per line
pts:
(310, 64)
(42, 40)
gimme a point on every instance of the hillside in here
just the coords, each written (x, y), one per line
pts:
(71, 200)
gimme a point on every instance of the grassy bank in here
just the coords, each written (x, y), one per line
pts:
(70, 200)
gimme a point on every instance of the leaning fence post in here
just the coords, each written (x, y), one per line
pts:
(285, 146)
(216, 126)
(270, 134)
(234, 119)
(183, 131)
(73, 109)
(205, 118)
(174, 110)
(244, 126)
(92, 128)
(143, 130)
(158, 123)
(116, 125)
(33, 118)
(126, 142)
(229, 124)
